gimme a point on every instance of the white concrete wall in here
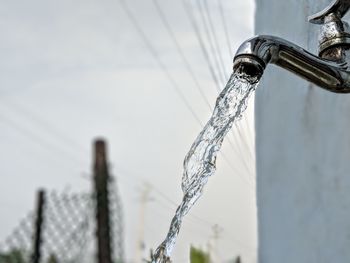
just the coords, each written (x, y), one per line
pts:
(303, 152)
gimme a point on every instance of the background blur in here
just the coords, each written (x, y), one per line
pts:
(144, 75)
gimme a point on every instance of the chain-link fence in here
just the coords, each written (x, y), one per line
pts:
(68, 230)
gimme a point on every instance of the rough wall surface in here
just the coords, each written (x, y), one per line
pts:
(303, 151)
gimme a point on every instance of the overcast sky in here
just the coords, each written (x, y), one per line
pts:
(74, 70)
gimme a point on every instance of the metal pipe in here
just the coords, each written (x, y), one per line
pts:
(254, 54)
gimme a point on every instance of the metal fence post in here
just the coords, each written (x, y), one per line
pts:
(39, 220)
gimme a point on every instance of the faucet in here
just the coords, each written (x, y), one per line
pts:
(329, 70)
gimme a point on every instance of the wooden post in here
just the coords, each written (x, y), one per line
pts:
(39, 220)
(101, 178)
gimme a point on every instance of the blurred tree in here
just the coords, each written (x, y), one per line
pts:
(198, 256)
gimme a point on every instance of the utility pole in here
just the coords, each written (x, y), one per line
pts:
(101, 177)
(39, 220)
(216, 236)
(140, 246)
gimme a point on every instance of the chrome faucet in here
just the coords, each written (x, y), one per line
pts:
(329, 70)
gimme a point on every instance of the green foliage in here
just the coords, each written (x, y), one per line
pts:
(52, 259)
(14, 255)
(17, 256)
(199, 256)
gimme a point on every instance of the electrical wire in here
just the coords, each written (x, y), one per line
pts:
(205, 53)
(155, 55)
(185, 61)
(44, 125)
(180, 51)
(161, 65)
(210, 30)
(190, 15)
(38, 140)
(165, 197)
(210, 41)
(229, 46)
(223, 20)
(171, 205)
(215, 38)
(210, 33)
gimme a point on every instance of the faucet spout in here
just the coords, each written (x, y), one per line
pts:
(331, 73)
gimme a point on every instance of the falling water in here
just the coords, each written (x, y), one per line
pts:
(200, 161)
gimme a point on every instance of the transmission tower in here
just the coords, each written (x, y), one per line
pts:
(213, 249)
(140, 245)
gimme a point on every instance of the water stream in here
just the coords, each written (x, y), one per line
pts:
(199, 163)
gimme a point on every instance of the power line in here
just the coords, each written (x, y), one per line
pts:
(244, 138)
(210, 34)
(189, 13)
(238, 151)
(196, 220)
(181, 53)
(45, 125)
(210, 41)
(223, 20)
(34, 138)
(187, 64)
(227, 36)
(227, 160)
(155, 55)
(248, 126)
(160, 193)
(216, 44)
(228, 42)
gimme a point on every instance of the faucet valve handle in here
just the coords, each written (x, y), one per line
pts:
(335, 33)
(337, 8)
